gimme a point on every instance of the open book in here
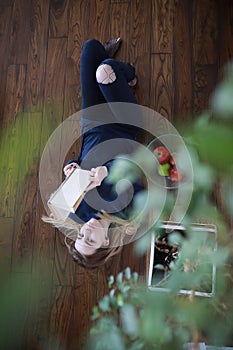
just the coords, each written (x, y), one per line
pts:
(68, 196)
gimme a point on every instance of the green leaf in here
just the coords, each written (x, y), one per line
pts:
(111, 293)
(222, 100)
(104, 304)
(110, 281)
(227, 192)
(219, 155)
(124, 169)
(125, 288)
(120, 300)
(134, 277)
(129, 320)
(95, 314)
(128, 273)
(106, 336)
(175, 238)
(120, 277)
(219, 257)
(142, 244)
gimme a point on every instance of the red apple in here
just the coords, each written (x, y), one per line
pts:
(175, 175)
(162, 154)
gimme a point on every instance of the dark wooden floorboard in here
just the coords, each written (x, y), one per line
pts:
(5, 23)
(37, 55)
(19, 32)
(205, 56)
(162, 99)
(162, 15)
(178, 48)
(25, 200)
(182, 74)
(59, 18)
(139, 47)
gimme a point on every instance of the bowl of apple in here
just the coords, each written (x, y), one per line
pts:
(168, 173)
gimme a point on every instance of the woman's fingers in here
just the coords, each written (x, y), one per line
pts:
(98, 174)
(69, 168)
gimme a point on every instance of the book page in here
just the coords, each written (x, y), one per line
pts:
(68, 194)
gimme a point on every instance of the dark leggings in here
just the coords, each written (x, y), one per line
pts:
(94, 92)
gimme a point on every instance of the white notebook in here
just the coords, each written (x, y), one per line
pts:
(69, 194)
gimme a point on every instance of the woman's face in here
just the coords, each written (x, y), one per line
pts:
(93, 235)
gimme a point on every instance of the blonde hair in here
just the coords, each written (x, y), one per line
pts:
(122, 232)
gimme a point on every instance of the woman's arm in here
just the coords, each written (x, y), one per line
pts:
(96, 175)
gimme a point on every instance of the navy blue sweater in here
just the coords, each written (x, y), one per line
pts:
(100, 146)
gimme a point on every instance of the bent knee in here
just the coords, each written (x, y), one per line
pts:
(105, 74)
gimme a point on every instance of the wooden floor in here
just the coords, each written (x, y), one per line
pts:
(178, 48)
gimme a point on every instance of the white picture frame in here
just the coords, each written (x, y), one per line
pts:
(198, 228)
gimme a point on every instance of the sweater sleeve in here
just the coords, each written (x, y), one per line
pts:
(71, 161)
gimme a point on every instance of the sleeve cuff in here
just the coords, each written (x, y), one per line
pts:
(72, 161)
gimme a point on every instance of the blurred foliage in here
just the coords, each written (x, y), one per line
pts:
(20, 303)
(20, 145)
(133, 317)
(21, 293)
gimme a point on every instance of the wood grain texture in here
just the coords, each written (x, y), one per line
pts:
(226, 31)
(162, 85)
(25, 207)
(99, 20)
(19, 34)
(5, 22)
(7, 192)
(162, 30)
(64, 266)
(73, 96)
(15, 88)
(53, 115)
(139, 48)
(71, 139)
(77, 35)
(85, 298)
(205, 56)
(37, 54)
(43, 247)
(205, 80)
(120, 27)
(205, 31)
(54, 82)
(59, 18)
(44, 235)
(15, 91)
(183, 78)
(62, 317)
(78, 29)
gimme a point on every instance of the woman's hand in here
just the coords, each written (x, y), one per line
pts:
(96, 176)
(68, 169)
